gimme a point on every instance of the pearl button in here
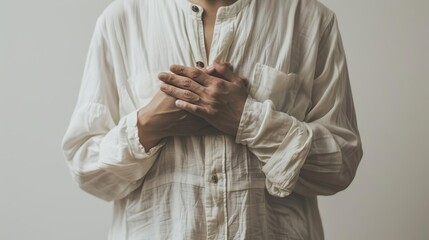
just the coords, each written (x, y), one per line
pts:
(200, 64)
(195, 9)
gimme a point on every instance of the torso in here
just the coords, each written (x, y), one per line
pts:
(209, 23)
(209, 20)
(147, 37)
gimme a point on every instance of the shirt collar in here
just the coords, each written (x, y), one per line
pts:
(223, 12)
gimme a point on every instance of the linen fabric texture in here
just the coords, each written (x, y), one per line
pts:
(297, 138)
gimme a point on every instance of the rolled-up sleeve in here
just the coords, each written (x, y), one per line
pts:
(102, 149)
(316, 156)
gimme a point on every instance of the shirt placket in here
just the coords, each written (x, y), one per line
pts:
(215, 188)
(223, 36)
(200, 56)
(215, 175)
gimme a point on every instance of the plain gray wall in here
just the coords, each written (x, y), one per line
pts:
(43, 45)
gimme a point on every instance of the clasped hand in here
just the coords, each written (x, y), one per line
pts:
(193, 102)
(216, 95)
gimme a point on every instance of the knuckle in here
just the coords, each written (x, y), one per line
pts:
(170, 78)
(168, 89)
(179, 69)
(223, 68)
(195, 73)
(213, 93)
(171, 90)
(219, 85)
(164, 87)
(187, 83)
(187, 95)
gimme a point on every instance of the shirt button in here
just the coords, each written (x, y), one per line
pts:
(195, 9)
(200, 64)
(215, 179)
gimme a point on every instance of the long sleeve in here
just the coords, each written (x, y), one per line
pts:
(316, 156)
(102, 149)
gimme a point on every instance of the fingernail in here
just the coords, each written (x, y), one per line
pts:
(179, 103)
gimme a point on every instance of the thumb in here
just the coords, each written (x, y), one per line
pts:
(225, 70)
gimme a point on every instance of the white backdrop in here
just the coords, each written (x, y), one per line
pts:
(43, 45)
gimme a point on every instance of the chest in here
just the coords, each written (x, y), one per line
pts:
(270, 57)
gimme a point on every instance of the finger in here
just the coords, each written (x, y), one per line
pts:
(245, 81)
(209, 70)
(179, 93)
(180, 82)
(229, 65)
(190, 72)
(212, 70)
(226, 71)
(191, 108)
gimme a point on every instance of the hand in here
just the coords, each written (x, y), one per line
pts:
(216, 95)
(161, 118)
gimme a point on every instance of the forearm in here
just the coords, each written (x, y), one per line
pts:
(333, 159)
(320, 158)
(85, 169)
(278, 140)
(148, 136)
(106, 160)
(161, 118)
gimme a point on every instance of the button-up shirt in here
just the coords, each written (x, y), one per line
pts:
(297, 137)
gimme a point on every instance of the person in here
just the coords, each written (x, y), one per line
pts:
(209, 119)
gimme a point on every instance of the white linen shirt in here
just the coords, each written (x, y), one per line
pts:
(297, 138)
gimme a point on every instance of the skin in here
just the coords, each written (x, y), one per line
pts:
(217, 100)
(211, 100)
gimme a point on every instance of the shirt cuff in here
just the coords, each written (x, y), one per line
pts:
(278, 140)
(136, 147)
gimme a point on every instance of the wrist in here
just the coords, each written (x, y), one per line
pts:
(147, 136)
